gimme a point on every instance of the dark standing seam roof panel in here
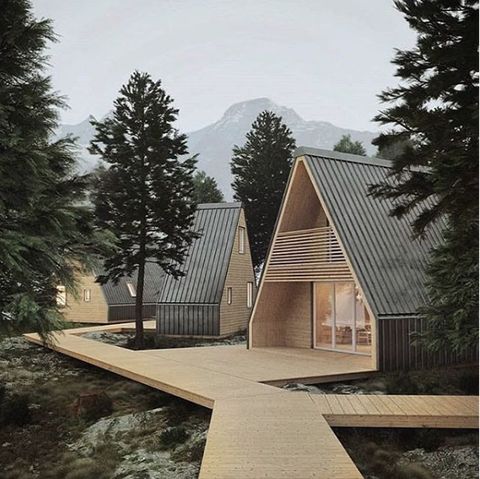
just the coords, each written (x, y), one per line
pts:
(119, 294)
(389, 264)
(208, 257)
(205, 266)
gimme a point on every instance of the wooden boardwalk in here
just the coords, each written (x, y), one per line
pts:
(258, 430)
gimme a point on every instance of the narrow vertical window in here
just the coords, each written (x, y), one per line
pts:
(61, 296)
(229, 295)
(249, 295)
(241, 239)
(131, 289)
(87, 295)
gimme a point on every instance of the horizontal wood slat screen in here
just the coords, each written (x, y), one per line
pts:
(307, 255)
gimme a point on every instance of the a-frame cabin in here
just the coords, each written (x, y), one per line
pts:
(341, 274)
(214, 297)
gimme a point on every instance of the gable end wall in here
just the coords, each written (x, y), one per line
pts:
(94, 311)
(234, 317)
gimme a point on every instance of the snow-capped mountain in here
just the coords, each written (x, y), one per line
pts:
(214, 142)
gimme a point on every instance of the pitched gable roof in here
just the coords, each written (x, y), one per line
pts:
(117, 294)
(207, 260)
(388, 263)
(205, 266)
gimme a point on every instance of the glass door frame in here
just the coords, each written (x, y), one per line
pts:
(334, 320)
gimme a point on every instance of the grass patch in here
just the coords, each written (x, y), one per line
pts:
(377, 452)
(460, 380)
(53, 383)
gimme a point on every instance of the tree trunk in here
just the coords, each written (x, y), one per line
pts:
(139, 336)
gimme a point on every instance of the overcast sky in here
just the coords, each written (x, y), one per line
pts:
(327, 59)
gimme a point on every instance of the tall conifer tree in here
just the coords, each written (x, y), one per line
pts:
(206, 189)
(433, 114)
(145, 198)
(347, 145)
(45, 233)
(261, 168)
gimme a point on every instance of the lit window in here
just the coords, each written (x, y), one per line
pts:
(87, 295)
(61, 296)
(131, 289)
(249, 295)
(241, 239)
(229, 295)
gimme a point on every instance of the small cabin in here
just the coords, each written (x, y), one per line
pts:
(341, 274)
(214, 297)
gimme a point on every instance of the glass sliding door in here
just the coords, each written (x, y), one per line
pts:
(324, 314)
(341, 320)
(344, 314)
(363, 326)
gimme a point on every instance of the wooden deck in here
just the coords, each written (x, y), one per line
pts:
(258, 430)
(274, 366)
(265, 438)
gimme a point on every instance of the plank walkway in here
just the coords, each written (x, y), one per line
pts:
(258, 430)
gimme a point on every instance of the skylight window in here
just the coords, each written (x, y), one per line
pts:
(131, 289)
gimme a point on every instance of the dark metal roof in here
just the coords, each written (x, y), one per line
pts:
(205, 266)
(388, 262)
(207, 260)
(119, 293)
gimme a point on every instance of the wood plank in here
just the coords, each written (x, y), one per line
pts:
(259, 430)
(273, 440)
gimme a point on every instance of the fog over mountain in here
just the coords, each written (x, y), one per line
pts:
(214, 142)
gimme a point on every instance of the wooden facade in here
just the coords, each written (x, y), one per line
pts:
(341, 274)
(214, 297)
(235, 310)
(84, 308)
(211, 299)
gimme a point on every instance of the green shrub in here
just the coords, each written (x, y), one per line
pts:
(383, 461)
(179, 411)
(3, 392)
(468, 382)
(86, 468)
(428, 439)
(15, 410)
(401, 383)
(172, 436)
(190, 452)
(93, 406)
(411, 471)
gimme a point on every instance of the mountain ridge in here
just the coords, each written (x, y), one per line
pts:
(214, 142)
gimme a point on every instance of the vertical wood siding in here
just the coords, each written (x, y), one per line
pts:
(188, 319)
(234, 317)
(94, 311)
(398, 351)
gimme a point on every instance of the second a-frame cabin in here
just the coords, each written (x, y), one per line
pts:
(341, 274)
(214, 297)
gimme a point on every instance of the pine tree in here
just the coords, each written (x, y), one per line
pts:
(206, 189)
(347, 145)
(145, 197)
(46, 235)
(261, 168)
(434, 113)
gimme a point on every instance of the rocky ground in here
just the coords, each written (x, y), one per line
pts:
(139, 433)
(409, 453)
(153, 342)
(142, 434)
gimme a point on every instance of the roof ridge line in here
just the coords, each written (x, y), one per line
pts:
(225, 205)
(337, 155)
